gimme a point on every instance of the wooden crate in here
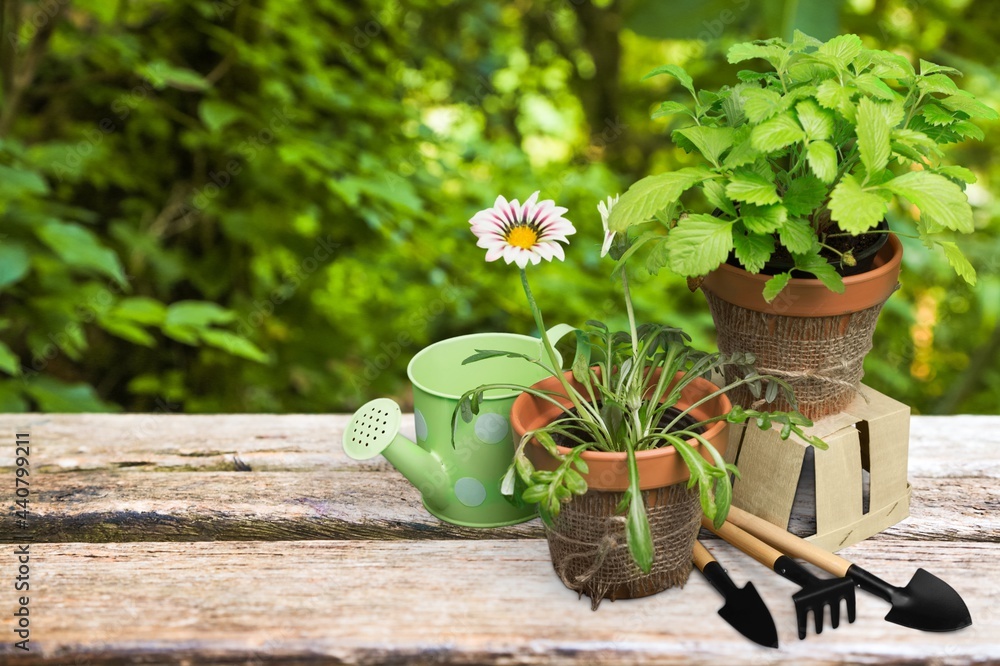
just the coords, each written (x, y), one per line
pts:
(857, 488)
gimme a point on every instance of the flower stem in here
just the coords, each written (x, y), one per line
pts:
(551, 352)
(631, 314)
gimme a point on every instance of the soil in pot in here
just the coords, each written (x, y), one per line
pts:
(863, 247)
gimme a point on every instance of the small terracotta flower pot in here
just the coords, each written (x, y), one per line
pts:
(587, 540)
(811, 337)
(608, 470)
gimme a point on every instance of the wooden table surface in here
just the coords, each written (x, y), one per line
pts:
(249, 539)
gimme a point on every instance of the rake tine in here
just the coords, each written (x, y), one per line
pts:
(818, 617)
(800, 614)
(850, 609)
(835, 614)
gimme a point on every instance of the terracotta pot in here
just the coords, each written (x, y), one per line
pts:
(587, 540)
(808, 297)
(811, 337)
(608, 470)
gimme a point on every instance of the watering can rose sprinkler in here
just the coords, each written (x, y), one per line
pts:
(458, 466)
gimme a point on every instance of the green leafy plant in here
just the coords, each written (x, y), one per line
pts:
(803, 156)
(625, 383)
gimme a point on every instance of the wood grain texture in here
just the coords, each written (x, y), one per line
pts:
(429, 602)
(214, 513)
(159, 477)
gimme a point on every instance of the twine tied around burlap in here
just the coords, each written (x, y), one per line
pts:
(822, 358)
(590, 554)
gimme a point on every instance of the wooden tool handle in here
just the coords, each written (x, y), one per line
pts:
(701, 556)
(745, 541)
(788, 543)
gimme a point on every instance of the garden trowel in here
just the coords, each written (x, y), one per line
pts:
(744, 610)
(926, 603)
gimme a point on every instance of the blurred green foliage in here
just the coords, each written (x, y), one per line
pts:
(247, 205)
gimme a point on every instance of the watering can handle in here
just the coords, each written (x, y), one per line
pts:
(558, 332)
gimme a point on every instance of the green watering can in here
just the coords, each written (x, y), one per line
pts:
(460, 482)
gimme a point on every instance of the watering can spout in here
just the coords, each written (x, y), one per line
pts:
(374, 431)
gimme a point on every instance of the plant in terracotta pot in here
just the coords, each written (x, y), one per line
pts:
(784, 225)
(624, 452)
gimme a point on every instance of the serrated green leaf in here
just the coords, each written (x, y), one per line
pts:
(822, 159)
(777, 133)
(9, 361)
(937, 83)
(233, 344)
(651, 194)
(957, 173)
(843, 49)
(710, 141)
(753, 250)
(797, 236)
(772, 53)
(873, 136)
(967, 104)
(817, 123)
(678, 73)
(715, 192)
(80, 248)
(669, 108)
(801, 41)
(743, 152)
(804, 195)
(759, 104)
(927, 67)
(699, 243)
(774, 286)
(659, 255)
(965, 129)
(14, 263)
(814, 263)
(940, 200)
(937, 116)
(854, 209)
(763, 219)
(874, 86)
(752, 188)
(887, 65)
(832, 95)
(958, 261)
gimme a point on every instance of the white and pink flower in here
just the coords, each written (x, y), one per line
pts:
(520, 233)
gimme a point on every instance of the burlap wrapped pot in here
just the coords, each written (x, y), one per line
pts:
(811, 337)
(587, 540)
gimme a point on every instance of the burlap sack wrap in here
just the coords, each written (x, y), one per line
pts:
(590, 554)
(822, 358)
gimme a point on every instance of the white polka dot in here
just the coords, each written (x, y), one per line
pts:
(420, 424)
(469, 491)
(491, 428)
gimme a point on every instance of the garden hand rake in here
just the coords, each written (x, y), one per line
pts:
(816, 592)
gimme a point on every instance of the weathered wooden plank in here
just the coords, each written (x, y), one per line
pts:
(89, 484)
(429, 602)
(162, 506)
(940, 446)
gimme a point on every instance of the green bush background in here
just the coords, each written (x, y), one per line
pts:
(236, 205)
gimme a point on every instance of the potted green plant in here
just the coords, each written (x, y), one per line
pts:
(612, 450)
(788, 239)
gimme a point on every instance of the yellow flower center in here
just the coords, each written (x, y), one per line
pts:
(522, 237)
